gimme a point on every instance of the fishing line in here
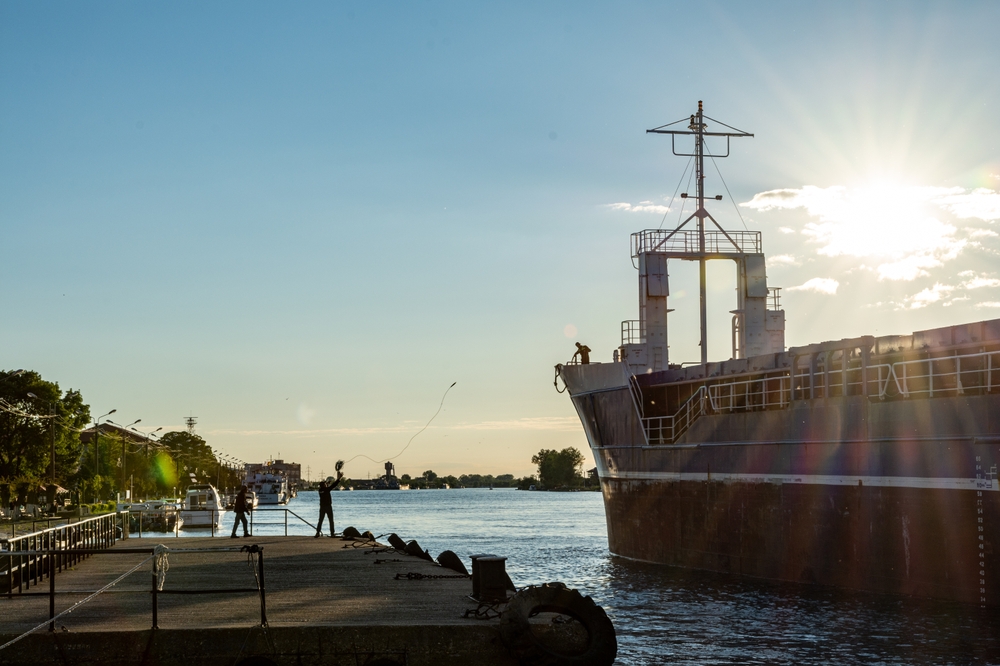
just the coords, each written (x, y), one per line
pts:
(341, 463)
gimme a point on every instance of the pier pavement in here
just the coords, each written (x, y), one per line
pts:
(328, 600)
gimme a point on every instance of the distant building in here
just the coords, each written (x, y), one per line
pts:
(293, 471)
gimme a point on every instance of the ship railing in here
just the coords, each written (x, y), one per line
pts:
(632, 333)
(666, 429)
(687, 241)
(772, 392)
(942, 375)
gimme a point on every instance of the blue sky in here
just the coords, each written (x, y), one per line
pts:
(301, 224)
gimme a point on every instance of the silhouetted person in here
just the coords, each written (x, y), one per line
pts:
(326, 504)
(583, 351)
(242, 509)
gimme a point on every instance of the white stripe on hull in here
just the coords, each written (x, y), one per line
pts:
(810, 479)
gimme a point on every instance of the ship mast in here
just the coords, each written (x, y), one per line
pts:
(698, 129)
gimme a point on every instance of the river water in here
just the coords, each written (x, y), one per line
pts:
(661, 614)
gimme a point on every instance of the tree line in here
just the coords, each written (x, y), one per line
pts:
(37, 418)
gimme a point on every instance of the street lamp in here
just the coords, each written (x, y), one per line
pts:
(124, 444)
(97, 443)
(52, 427)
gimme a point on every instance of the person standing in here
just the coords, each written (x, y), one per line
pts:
(583, 351)
(326, 504)
(241, 510)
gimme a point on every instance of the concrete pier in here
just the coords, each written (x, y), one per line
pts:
(328, 601)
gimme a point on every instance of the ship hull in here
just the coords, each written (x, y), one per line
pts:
(890, 497)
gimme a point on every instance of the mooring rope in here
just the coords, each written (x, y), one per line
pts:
(79, 603)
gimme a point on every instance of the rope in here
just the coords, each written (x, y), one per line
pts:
(555, 380)
(361, 455)
(79, 603)
(161, 564)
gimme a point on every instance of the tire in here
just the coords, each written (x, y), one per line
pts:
(351, 533)
(528, 649)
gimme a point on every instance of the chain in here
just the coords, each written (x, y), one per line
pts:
(485, 611)
(414, 575)
(378, 561)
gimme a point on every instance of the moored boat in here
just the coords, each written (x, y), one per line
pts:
(202, 507)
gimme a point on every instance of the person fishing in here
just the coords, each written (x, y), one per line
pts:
(242, 509)
(326, 503)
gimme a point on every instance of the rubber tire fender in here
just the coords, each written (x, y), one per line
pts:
(352, 533)
(602, 643)
(397, 543)
(449, 560)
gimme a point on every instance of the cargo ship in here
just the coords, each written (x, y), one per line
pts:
(867, 463)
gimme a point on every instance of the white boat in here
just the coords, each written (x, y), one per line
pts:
(269, 485)
(202, 507)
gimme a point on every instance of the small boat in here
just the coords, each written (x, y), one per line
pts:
(202, 507)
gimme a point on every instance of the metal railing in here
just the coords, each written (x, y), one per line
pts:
(21, 568)
(944, 375)
(52, 555)
(686, 241)
(632, 333)
(285, 523)
(954, 374)
(666, 429)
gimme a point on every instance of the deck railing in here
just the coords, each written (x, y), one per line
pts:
(932, 376)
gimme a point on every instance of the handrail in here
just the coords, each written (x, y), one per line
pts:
(25, 570)
(286, 510)
(156, 553)
(954, 374)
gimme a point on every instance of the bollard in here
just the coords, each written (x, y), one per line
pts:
(492, 578)
(475, 572)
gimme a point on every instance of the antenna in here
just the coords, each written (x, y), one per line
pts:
(698, 129)
(191, 421)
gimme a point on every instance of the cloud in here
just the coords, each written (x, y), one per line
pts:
(786, 230)
(907, 228)
(819, 285)
(983, 233)
(988, 304)
(980, 282)
(980, 203)
(641, 207)
(782, 260)
(930, 295)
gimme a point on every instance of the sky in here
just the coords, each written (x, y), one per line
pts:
(301, 223)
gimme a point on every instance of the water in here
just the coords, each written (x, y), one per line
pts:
(662, 615)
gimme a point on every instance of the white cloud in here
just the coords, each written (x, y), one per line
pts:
(910, 229)
(980, 282)
(980, 203)
(819, 285)
(983, 233)
(988, 304)
(782, 260)
(786, 230)
(930, 295)
(641, 207)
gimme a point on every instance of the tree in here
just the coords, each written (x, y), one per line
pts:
(558, 468)
(429, 476)
(190, 454)
(27, 427)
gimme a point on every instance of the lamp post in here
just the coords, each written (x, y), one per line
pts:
(52, 428)
(147, 436)
(124, 444)
(97, 448)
